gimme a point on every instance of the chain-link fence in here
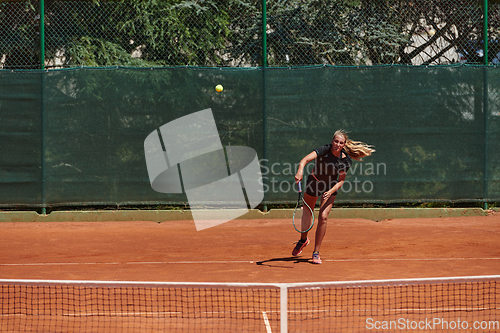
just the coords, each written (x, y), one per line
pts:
(75, 136)
(229, 33)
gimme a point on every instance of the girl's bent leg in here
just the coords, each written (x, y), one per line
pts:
(326, 207)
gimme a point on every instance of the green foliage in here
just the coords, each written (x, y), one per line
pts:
(16, 35)
(380, 30)
(176, 32)
(151, 32)
(95, 52)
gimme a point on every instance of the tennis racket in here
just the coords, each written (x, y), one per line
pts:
(302, 209)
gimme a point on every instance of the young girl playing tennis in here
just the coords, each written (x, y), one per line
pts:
(327, 177)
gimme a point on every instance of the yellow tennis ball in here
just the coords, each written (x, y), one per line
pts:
(219, 88)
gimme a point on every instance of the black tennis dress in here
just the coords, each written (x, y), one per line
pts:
(326, 170)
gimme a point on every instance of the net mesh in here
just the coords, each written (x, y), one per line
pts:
(445, 304)
(406, 307)
(140, 308)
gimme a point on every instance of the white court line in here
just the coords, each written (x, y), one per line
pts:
(413, 259)
(130, 263)
(232, 261)
(266, 322)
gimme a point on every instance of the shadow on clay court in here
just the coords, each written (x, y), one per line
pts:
(295, 260)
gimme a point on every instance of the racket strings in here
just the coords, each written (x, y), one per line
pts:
(303, 218)
(302, 209)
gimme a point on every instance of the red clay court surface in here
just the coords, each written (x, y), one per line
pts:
(250, 250)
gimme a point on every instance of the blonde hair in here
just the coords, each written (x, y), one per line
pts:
(355, 149)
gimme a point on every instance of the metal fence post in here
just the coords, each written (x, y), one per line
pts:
(264, 65)
(485, 101)
(42, 34)
(264, 34)
(42, 88)
(485, 115)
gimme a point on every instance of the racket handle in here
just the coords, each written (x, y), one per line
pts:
(300, 186)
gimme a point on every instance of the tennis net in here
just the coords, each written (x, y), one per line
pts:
(440, 304)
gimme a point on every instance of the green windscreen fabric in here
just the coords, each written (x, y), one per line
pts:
(20, 138)
(97, 121)
(426, 123)
(72, 137)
